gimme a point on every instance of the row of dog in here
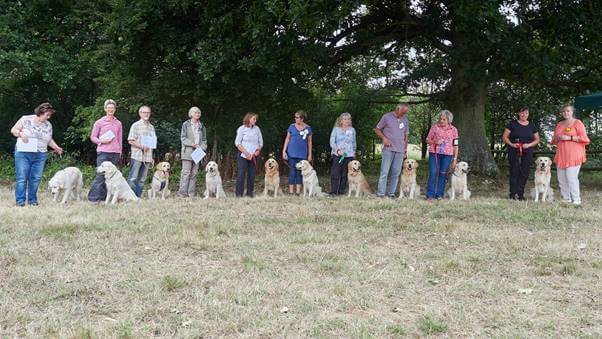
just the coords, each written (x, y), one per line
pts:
(69, 181)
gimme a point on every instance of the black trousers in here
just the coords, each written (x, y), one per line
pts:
(245, 168)
(98, 189)
(519, 170)
(338, 175)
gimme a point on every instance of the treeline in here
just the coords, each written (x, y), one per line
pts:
(480, 60)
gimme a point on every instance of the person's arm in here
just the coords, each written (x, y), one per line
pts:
(55, 147)
(309, 147)
(533, 143)
(581, 134)
(17, 131)
(287, 139)
(238, 143)
(381, 135)
(133, 140)
(333, 141)
(120, 137)
(506, 138)
(430, 138)
(95, 133)
(260, 142)
(184, 139)
(354, 143)
(203, 137)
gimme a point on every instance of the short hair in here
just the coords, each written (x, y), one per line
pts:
(43, 108)
(523, 108)
(402, 105)
(109, 102)
(449, 115)
(144, 106)
(247, 118)
(192, 110)
(302, 114)
(571, 107)
(344, 115)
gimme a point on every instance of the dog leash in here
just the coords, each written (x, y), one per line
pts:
(342, 158)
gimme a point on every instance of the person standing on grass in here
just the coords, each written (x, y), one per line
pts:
(443, 154)
(29, 164)
(107, 134)
(342, 146)
(249, 142)
(393, 129)
(142, 155)
(521, 136)
(297, 147)
(192, 136)
(571, 138)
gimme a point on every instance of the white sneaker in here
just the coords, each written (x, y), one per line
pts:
(565, 201)
(577, 203)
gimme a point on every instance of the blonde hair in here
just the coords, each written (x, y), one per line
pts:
(109, 102)
(344, 115)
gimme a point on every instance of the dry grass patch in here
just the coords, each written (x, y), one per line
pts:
(293, 267)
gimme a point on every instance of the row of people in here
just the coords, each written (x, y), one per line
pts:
(393, 129)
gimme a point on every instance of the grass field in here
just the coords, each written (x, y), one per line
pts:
(291, 267)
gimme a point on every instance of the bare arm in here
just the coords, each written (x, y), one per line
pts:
(381, 135)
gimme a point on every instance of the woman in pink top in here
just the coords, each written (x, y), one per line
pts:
(570, 137)
(443, 153)
(107, 134)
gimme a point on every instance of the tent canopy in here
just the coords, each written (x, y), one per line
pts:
(591, 101)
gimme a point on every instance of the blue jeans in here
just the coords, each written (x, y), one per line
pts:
(390, 168)
(137, 175)
(29, 167)
(438, 167)
(294, 175)
(98, 189)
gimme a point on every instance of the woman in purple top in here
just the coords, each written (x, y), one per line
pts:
(297, 147)
(107, 134)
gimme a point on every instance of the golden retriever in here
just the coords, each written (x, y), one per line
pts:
(68, 181)
(311, 187)
(407, 184)
(272, 177)
(459, 182)
(213, 181)
(160, 181)
(117, 186)
(542, 177)
(357, 181)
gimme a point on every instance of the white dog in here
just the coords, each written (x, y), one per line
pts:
(160, 181)
(459, 182)
(311, 187)
(213, 181)
(117, 186)
(542, 177)
(67, 181)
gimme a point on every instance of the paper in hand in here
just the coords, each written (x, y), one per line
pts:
(149, 141)
(108, 135)
(30, 146)
(197, 155)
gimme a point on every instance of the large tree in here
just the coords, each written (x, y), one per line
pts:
(462, 48)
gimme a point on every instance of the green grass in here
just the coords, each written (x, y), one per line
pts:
(291, 267)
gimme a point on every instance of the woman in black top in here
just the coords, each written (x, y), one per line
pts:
(521, 136)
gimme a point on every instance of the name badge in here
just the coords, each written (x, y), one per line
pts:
(401, 125)
(349, 132)
(456, 142)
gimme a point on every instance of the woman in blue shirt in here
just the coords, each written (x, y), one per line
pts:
(343, 146)
(297, 147)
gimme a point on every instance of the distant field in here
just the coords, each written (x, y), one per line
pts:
(294, 267)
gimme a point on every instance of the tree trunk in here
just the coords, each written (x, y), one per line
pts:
(466, 99)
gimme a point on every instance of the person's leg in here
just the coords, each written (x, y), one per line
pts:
(444, 163)
(523, 177)
(292, 171)
(514, 172)
(250, 179)
(572, 176)
(194, 171)
(241, 164)
(98, 189)
(395, 172)
(385, 166)
(298, 178)
(22, 169)
(344, 171)
(142, 173)
(35, 176)
(135, 167)
(563, 184)
(185, 178)
(335, 175)
(431, 182)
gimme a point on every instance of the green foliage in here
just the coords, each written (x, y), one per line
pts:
(430, 326)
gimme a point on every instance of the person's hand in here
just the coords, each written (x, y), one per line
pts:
(248, 155)
(24, 137)
(386, 142)
(284, 156)
(195, 146)
(105, 141)
(145, 148)
(340, 153)
(565, 137)
(309, 158)
(513, 145)
(257, 152)
(525, 146)
(59, 150)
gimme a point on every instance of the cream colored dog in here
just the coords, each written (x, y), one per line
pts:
(357, 181)
(213, 181)
(160, 181)
(542, 178)
(117, 186)
(459, 182)
(311, 187)
(407, 184)
(272, 177)
(68, 181)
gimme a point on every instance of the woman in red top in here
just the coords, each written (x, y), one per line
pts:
(571, 139)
